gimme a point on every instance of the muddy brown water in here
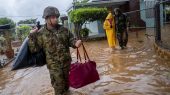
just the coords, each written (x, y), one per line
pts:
(136, 70)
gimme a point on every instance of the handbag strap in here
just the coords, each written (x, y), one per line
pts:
(86, 57)
(78, 55)
(85, 53)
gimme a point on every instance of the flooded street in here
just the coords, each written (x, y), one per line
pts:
(136, 70)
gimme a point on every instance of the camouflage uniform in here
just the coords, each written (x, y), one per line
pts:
(55, 43)
(121, 29)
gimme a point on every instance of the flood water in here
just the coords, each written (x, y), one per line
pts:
(136, 70)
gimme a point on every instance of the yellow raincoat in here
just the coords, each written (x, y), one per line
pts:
(110, 31)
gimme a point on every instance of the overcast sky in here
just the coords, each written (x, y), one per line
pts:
(30, 8)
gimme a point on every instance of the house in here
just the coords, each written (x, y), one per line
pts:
(96, 27)
(64, 20)
(148, 12)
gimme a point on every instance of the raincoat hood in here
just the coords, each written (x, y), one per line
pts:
(109, 16)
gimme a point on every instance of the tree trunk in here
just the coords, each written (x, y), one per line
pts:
(77, 30)
(8, 40)
(9, 50)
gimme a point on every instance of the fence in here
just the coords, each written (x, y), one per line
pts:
(142, 22)
(162, 19)
(154, 20)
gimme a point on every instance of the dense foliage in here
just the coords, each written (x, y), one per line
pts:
(88, 14)
(23, 31)
(4, 21)
(27, 21)
(82, 15)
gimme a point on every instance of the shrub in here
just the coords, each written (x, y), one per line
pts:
(84, 32)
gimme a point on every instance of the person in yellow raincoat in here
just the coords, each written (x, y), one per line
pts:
(109, 26)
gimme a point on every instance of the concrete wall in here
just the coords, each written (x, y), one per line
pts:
(95, 27)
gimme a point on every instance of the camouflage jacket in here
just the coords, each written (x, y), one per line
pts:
(55, 43)
(121, 22)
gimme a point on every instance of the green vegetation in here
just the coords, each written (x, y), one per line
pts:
(167, 11)
(88, 14)
(23, 31)
(5, 20)
(27, 21)
(8, 34)
(84, 32)
(82, 15)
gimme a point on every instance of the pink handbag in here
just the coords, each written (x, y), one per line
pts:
(82, 74)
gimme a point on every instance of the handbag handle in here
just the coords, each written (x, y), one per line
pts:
(86, 57)
(85, 53)
(78, 55)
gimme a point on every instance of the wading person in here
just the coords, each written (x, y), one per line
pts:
(121, 28)
(109, 26)
(55, 41)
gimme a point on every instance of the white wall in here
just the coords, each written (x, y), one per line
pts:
(93, 27)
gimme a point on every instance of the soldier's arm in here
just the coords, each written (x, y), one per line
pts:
(127, 20)
(35, 42)
(127, 23)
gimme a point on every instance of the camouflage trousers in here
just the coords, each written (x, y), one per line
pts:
(60, 78)
(122, 38)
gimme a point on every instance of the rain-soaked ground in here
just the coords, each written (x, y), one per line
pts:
(136, 70)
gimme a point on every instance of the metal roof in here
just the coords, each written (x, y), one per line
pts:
(104, 3)
(100, 3)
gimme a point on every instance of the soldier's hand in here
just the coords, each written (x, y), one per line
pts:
(34, 30)
(78, 43)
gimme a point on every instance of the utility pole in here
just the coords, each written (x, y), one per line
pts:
(75, 24)
(74, 1)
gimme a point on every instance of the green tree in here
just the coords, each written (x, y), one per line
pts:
(167, 11)
(5, 20)
(9, 34)
(23, 31)
(27, 21)
(82, 15)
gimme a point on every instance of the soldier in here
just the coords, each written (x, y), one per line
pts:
(55, 41)
(121, 28)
